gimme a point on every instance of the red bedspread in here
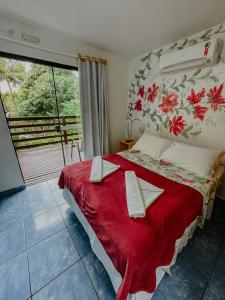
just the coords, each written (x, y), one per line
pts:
(136, 246)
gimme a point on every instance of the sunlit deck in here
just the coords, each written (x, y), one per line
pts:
(44, 163)
(38, 142)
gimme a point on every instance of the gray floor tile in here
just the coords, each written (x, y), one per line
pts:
(184, 283)
(68, 214)
(80, 239)
(73, 284)
(14, 279)
(38, 189)
(12, 242)
(58, 196)
(203, 249)
(216, 285)
(53, 184)
(10, 219)
(158, 296)
(99, 277)
(34, 191)
(7, 203)
(10, 212)
(43, 226)
(39, 205)
(50, 258)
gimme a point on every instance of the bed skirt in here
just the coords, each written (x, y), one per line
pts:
(101, 254)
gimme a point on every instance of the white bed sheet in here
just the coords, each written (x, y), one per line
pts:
(101, 254)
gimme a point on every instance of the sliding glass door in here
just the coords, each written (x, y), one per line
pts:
(41, 103)
(68, 110)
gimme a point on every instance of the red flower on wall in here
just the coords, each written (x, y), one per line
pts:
(215, 98)
(196, 97)
(141, 91)
(176, 125)
(152, 92)
(199, 112)
(138, 105)
(168, 102)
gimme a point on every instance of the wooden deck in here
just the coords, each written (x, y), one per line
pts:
(44, 163)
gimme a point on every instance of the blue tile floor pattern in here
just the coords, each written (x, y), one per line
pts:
(45, 254)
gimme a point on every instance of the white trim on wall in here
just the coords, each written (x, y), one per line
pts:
(36, 47)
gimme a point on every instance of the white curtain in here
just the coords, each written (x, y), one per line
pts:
(93, 79)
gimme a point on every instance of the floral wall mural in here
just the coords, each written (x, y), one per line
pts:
(185, 104)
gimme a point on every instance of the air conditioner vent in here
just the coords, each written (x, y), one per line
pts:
(202, 54)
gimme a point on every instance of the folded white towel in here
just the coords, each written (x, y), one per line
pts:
(96, 169)
(109, 168)
(135, 204)
(101, 168)
(149, 192)
(140, 194)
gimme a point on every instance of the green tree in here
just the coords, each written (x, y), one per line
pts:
(71, 108)
(36, 95)
(11, 72)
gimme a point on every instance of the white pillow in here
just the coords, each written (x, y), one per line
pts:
(195, 159)
(152, 145)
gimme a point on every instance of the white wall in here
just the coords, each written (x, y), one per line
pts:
(10, 175)
(60, 41)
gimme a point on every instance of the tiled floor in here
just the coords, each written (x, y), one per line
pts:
(45, 254)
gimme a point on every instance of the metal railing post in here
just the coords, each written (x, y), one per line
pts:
(65, 131)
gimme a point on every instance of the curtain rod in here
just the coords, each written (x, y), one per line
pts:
(36, 47)
(91, 58)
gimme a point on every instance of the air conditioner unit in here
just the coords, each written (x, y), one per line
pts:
(199, 55)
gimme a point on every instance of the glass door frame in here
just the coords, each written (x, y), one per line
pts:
(51, 65)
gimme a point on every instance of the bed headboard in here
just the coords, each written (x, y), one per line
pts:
(187, 106)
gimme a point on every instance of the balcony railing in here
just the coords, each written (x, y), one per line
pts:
(30, 132)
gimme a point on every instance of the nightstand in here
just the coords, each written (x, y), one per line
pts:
(125, 144)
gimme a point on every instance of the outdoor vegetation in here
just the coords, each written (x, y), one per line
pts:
(29, 91)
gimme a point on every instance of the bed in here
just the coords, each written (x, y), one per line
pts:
(137, 252)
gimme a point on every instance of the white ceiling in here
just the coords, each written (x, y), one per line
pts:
(125, 27)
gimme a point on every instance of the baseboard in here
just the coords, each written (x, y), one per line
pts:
(11, 191)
